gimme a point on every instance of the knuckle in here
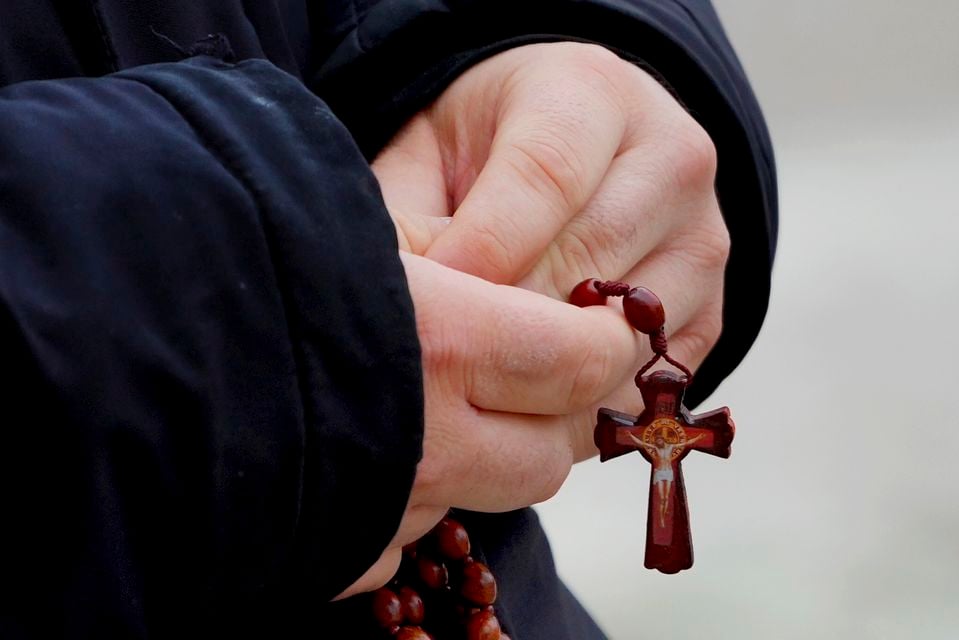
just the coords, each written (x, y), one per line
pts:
(714, 244)
(571, 258)
(432, 468)
(440, 346)
(695, 157)
(550, 474)
(603, 62)
(706, 248)
(551, 487)
(590, 377)
(447, 353)
(446, 437)
(546, 162)
(605, 81)
(595, 54)
(586, 56)
(699, 337)
(491, 253)
(723, 241)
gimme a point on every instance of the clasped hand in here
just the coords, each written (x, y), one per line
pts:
(539, 167)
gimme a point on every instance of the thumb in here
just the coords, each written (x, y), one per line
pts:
(410, 173)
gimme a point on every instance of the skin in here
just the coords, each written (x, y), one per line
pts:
(537, 168)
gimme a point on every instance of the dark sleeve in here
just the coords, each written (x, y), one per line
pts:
(211, 376)
(403, 53)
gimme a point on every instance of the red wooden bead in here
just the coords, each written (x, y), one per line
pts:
(412, 633)
(585, 294)
(412, 605)
(387, 608)
(451, 539)
(433, 573)
(644, 310)
(483, 626)
(479, 585)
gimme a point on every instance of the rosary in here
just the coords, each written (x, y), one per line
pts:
(437, 572)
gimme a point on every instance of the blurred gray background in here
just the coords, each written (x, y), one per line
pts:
(838, 514)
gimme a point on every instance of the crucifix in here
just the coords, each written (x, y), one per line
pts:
(664, 433)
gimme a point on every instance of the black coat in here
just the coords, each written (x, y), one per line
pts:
(211, 403)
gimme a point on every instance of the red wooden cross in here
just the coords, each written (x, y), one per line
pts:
(665, 433)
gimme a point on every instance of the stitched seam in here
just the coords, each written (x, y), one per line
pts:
(108, 48)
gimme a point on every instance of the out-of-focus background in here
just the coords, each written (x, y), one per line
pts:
(838, 514)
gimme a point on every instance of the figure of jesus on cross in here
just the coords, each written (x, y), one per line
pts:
(663, 476)
(664, 433)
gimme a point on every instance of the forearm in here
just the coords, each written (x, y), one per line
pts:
(181, 289)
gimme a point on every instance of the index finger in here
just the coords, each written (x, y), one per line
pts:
(515, 350)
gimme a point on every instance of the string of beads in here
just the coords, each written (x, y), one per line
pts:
(643, 311)
(437, 574)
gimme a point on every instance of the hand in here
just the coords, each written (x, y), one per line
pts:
(559, 162)
(509, 377)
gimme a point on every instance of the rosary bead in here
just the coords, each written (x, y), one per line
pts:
(585, 294)
(433, 573)
(644, 310)
(412, 633)
(483, 626)
(452, 540)
(479, 585)
(412, 605)
(387, 608)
